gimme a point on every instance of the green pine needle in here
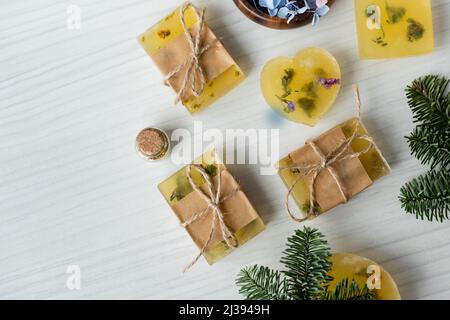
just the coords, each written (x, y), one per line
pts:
(430, 146)
(307, 261)
(306, 278)
(346, 290)
(262, 283)
(428, 196)
(429, 101)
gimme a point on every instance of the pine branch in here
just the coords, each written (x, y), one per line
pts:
(346, 290)
(307, 262)
(430, 146)
(428, 101)
(262, 283)
(428, 196)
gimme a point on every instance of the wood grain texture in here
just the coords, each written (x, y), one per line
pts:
(74, 192)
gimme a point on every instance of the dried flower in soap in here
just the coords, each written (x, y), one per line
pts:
(291, 106)
(329, 82)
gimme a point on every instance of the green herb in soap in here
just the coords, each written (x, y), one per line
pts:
(309, 89)
(176, 195)
(415, 30)
(380, 41)
(164, 33)
(307, 105)
(210, 169)
(395, 14)
(306, 206)
(286, 81)
(182, 189)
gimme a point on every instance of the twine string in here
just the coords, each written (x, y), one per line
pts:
(213, 198)
(325, 163)
(194, 78)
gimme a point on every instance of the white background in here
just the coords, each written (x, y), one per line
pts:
(74, 192)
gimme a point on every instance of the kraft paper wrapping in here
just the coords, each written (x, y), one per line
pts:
(237, 210)
(214, 61)
(352, 175)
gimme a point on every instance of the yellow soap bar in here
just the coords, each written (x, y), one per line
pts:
(177, 186)
(372, 161)
(359, 269)
(169, 29)
(303, 88)
(394, 28)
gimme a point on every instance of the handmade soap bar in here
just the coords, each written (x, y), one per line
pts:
(394, 28)
(302, 88)
(354, 267)
(354, 174)
(239, 215)
(168, 45)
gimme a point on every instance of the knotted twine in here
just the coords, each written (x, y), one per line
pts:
(213, 198)
(195, 70)
(326, 162)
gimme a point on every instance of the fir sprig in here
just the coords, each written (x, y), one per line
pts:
(429, 102)
(346, 290)
(428, 196)
(261, 283)
(307, 262)
(431, 146)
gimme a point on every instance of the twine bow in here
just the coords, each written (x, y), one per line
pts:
(194, 71)
(214, 199)
(325, 163)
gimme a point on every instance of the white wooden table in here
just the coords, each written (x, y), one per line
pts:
(73, 192)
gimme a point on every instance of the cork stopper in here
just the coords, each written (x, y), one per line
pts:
(152, 143)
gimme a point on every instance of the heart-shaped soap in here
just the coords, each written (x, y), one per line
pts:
(302, 88)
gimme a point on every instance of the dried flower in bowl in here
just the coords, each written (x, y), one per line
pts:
(288, 10)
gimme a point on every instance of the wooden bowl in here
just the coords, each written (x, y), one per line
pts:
(248, 8)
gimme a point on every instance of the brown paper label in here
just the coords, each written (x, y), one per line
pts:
(352, 175)
(214, 61)
(238, 212)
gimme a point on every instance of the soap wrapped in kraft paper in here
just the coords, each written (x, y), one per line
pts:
(192, 59)
(331, 169)
(212, 207)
